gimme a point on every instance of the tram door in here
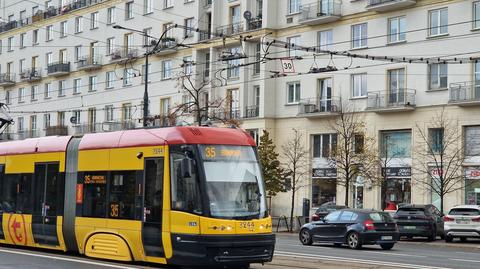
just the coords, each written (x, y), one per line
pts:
(153, 205)
(47, 203)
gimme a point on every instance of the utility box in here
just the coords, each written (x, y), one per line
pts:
(306, 209)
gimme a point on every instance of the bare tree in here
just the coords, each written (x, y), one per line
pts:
(296, 165)
(440, 155)
(194, 90)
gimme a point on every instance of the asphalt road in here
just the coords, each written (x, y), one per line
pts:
(289, 254)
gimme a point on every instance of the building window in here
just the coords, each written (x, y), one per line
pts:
(189, 27)
(76, 114)
(33, 122)
(359, 36)
(62, 87)
(165, 106)
(476, 15)
(35, 37)
(359, 85)
(49, 33)
(21, 124)
(233, 70)
(188, 65)
(78, 53)
(110, 45)
(63, 29)
(61, 118)
(258, 58)
(78, 24)
(92, 83)
(293, 41)
(109, 79)
(254, 134)
(293, 92)
(167, 3)
(46, 121)
(438, 22)
(396, 144)
(472, 141)
(49, 58)
(126, 111)
(396, 86)
(436, 140)
(129, 10)
(325, 40)
(8, 97)
(94, 20)
(147, 41)
(167, 69)
(77, 85)
(22, 40)
(396, 29)
(147, 6)
(48, 90)
(438, 76)
(358, 143)
(324, 190)
(111, 15)
(293, 6)
(10, 43)
(127, 76)
(109, 113)
(21, 95)
(324, 145)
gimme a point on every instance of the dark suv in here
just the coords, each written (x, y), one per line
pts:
(419, 220)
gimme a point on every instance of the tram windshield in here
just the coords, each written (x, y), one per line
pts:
(233, 182)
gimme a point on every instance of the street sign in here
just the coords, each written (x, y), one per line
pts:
(287, 66)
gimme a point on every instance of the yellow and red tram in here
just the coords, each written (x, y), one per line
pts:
(180, 195)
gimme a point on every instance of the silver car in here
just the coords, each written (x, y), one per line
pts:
(462, 222)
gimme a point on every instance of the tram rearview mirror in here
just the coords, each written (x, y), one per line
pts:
(186, 167)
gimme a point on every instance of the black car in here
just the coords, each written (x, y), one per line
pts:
(353, 227)
(419, 220)
(325, 209)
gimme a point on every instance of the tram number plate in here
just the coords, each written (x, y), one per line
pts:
(248, 225)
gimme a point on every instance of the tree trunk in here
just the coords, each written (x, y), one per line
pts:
(292, 210)
(346, 194)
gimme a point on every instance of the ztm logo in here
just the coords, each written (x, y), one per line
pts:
(17, 229)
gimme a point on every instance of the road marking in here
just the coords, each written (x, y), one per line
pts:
(354, 260)
(464, 260)
(68, 259)
(393, 254)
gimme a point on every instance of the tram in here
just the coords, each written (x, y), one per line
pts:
(179, 195)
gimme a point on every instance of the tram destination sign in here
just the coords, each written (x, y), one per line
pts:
(397, 171)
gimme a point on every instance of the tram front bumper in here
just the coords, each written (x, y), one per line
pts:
(222, 249)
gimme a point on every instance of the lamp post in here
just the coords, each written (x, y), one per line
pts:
(147, 53)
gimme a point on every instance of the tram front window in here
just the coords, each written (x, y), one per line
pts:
(233, 182)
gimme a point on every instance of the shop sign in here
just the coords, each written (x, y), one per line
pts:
(472, 173)
(324, 172)
(397, 171)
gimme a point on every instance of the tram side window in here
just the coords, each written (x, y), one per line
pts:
(185, 190)
(17, 193)
(94, 194)
(121, 202)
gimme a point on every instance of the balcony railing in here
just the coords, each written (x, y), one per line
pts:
(230, 29)
(402, 99)
(204, 36)
(465, 93)
(386, 5)
(58, 68)
(32, 74)
(89, 62)
(321, 12)
(167, 46)
(225, 114)
(252, 111)
(124, 55)
(314, 107)
(48, 13)
(254, 24)
(7, 79)
(56, 130)
(7, 137)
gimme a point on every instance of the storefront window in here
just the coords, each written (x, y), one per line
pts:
(472, 141)
(472, 185)
(323, 190)
(396, 144)
(358, 192)
(398, 190)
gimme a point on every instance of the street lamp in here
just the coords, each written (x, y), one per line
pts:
(147, 53)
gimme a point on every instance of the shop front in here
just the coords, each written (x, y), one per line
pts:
(324, 186)
(472, 185)
(397, 188)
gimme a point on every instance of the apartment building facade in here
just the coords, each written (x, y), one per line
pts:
(64, 69)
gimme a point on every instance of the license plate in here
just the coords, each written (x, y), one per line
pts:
(462, 221)
(409, 227)
(389, 237)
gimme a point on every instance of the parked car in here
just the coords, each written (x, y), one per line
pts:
(462, 222)
(324, 209)
(419, 220)
(354, 227)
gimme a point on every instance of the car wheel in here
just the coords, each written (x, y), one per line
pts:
(448, 239)
(433, 236)
(387, 246)
(305, 237)
(353, 241)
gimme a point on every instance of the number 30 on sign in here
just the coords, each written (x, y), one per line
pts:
(287, 66)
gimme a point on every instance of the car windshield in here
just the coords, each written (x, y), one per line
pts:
(380, 217)
(411, 210)
(465, 212)
(234, 183)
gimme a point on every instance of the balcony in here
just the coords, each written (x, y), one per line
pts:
(402, 100)
(321, 12)
(124, 55)
(167, 46)
(319, 108)
(254, 24)
(31, 75)
(225, 114)
(204, 36)
(252, 111)
(56, 130)
(88, 63)
(7, 79)
(231, 29)
(58, 69)
(7, 137)
(388, 5)
(464, 94)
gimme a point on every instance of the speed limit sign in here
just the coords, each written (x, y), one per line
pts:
(287, 66)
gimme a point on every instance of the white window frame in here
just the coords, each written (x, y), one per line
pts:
(400, 35)
(92, 83)
(77, 85)
(440, 29)
(109, 79)
(49, 33)
(439, 75)
(35, 37)
(188, 27)
(167, 69)
(294, 6)
(110, 45)
(129, 10)
(21, 95)
(362, 92)
(295, 41)
(325, 39)
(296, 92)
(46, 121)
(63, 28)
(476, 15)
(78, 25)
(109, 113)
(147, 7)
(359, 35)
(111, 15)
(22, 40)
(94, 20)
(48, 90)
(127, 76)
(168, 4)
(10, 42)
(62, 87)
